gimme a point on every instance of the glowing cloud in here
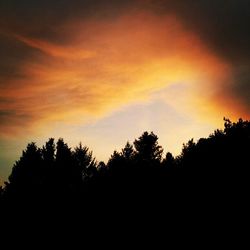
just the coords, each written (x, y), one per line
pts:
(105, 65)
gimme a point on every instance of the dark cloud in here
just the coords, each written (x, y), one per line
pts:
(223, 24)
(13, 54)
(241, 86)
(224, 27)
(44, 19)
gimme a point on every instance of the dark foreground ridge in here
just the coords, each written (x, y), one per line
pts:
(209, 178)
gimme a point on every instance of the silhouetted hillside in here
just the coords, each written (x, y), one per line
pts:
(208, 180)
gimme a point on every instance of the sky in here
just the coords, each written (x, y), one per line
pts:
(103, 72)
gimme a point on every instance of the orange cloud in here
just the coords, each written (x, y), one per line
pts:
(51, 49)
(107, 64)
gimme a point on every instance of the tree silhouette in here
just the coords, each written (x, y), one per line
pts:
(128, 151)
(49, 170)
(213, 170)
(48, 153)
(169, 161)
(26, 173)
(147, 148)
(85, 164)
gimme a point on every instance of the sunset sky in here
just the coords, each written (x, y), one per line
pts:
(102, 72)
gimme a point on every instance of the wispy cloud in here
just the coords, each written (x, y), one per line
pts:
(69, 53)
(105, 66)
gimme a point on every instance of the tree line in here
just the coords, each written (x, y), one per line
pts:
(217, 167)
